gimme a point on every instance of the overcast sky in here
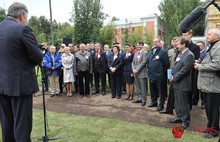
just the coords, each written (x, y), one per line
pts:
(61, 9)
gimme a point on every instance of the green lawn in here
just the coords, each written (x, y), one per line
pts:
(74, 128)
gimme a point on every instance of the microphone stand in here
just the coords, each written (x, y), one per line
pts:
(45, 138)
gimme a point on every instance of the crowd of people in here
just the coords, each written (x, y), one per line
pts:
(191, 70)
(135, 69)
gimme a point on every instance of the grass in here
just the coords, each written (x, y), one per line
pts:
(74, 128)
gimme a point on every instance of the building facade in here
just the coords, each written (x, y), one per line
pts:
(214, 16)
(143, 28)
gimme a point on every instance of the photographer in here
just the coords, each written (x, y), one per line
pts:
(44, 49)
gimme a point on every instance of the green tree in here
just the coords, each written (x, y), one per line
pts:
(88, 19)
(107, 34)
(136, 35)
(173, 12)
(2, 14)
(64, 30)
(125, 33)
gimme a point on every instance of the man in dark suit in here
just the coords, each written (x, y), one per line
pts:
(19, 53)
(182, 82)
(157, 68)
(99, 69)
(172, 54)
(108, 53)
(194, 95)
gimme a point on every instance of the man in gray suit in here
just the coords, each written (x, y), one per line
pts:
(139, 68)
(209, 80)
(181, 79)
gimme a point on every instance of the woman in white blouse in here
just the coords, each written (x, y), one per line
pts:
(68, 77)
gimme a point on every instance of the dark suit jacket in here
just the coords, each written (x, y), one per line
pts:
(117, 63)
(158, 64)
(182, 71)
(19, 53)
(127, 62)
(195, 50)
(100, 63)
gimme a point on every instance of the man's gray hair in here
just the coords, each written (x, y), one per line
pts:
(216, 32)
(16, 9)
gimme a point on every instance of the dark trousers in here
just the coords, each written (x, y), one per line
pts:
(16, 118)
(109, 80)
(116, 84)
(195, 91)
(91, 78)
(212, 110)
(61, 80)
(123, 84)
(97, 77)
(157, 89)
(76, 83)
(84, 79)
(181, 104)
(170, 101)
(203, 97)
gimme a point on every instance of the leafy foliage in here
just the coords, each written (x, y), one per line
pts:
(2, 14)
(42, 30)
(107, 34)
(174, 11)
(88, 19)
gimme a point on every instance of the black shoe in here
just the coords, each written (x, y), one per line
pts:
(184, 125)
(118, 97)
(176, 121)
(166, 112)
(137, 101)
(52, 95)
(159, 108)
(59, 94)
(95, 93)
(113, 97)
(209, 135)
(103, 93)
(143, 103)
(152, 105)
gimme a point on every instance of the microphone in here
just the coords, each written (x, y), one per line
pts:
(194, 17)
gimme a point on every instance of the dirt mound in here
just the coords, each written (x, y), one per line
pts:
(106, 107)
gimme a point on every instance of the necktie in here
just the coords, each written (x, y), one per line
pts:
(138, 56)
(97, 54)
(179, 55)
(154, 50)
